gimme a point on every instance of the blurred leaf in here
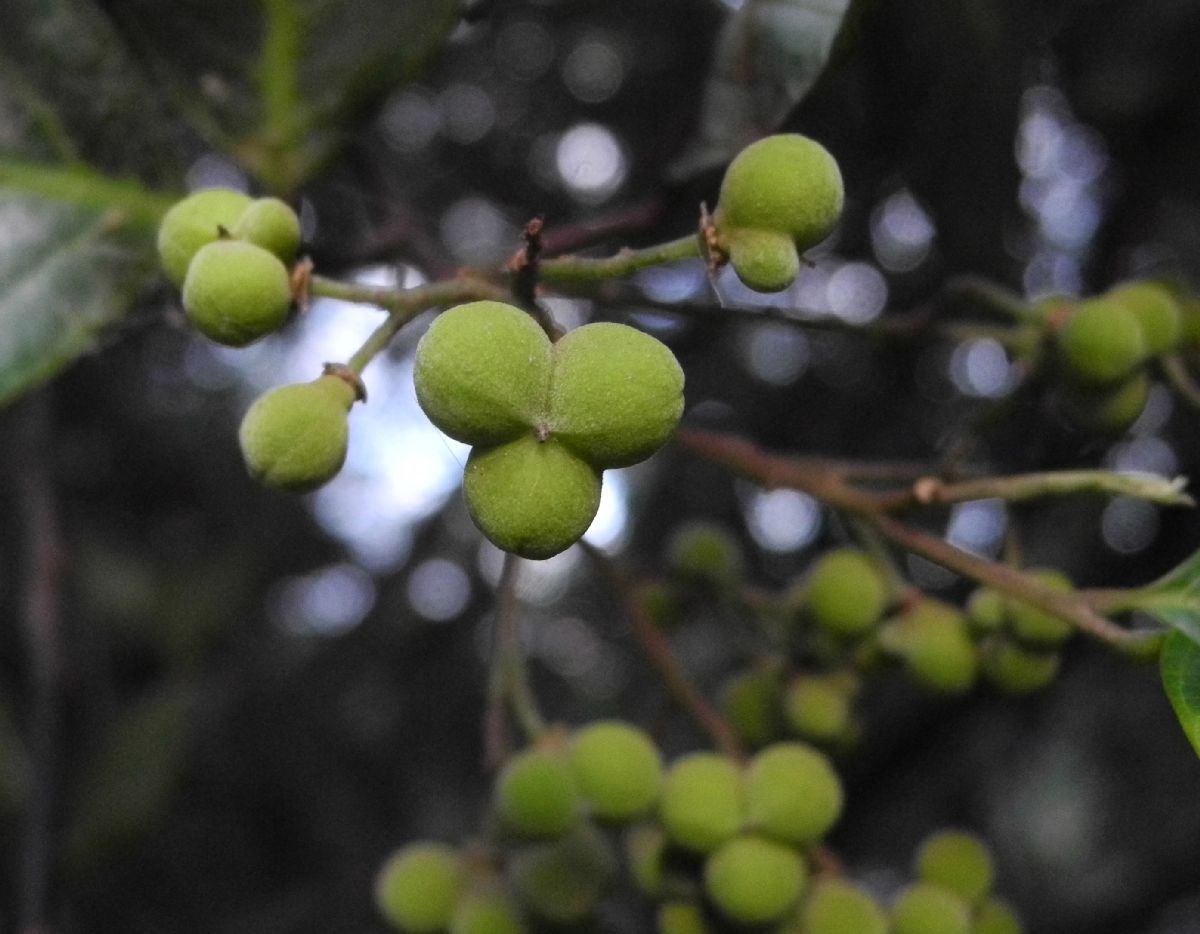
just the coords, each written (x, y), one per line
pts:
(1174, 599)
(768, 56)
(1180, 668)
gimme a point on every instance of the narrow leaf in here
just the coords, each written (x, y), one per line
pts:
(1180, 668)
(1174, 599)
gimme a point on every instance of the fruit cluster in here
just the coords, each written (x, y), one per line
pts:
(544, 419)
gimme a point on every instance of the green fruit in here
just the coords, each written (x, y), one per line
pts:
(754, 881)
(1016, 670)
(1119, 407)
(846, 595)
(1101, 341)
(785, 184)
(986, 610)
(819, 707)
(995, 916)
(764, 260)
(562, 882)
(616, 394)
(1037, 627)
(792, 793)
(751, 701)
(645, 852)
(487, 913)
(482, 373)
(236, 292)
(836, 906)
(272, 225)
(701, 804)
(617, 768)
(932, 640)
(929, 909)
(1157, 313)
(418, 889)
(958, 862)
(681, 918)
(194, 222)
(536, 795)
(659, 602)
(705, 551)
(294, 437)
(533, 498)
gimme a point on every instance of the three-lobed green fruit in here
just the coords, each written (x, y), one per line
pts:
(1102, 341)
(752, 880)
(536, 795)
(924, 908)
(194, 222)
(792, 793)
(1157, 313)
(617, 768)
(958, 862)
(294, 437)
(701, 805)
(845, 593)
(235, 292)
(838, 906)
(419, 887)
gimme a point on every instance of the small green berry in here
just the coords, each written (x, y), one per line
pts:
(705, 551)
(792, 793)
(837, 906)
(1014, 669)
(752, 703)
(820, 707)
(532, 498)
(958, 862)
(492, 913)
(1101, 341)
(562, 882)
(618, 769)
(754, 881)
(294, 437)
(846, 595)
(616, 394)
(236, 292)
(660, 602)
(764, 260)
(645, 853)
(986, 610)
(1037, 627)
(1157, 313)
(194, 222)
(272, 225)
(932, 640)
(418, 889)
(681, 918)
(929, 909)
(995, 916)
(536, 795)
(701, 804)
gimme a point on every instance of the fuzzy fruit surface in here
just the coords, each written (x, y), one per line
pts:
(958, 862)
(932, 640)
(928, 909)
(1157, 312)
(845, 594)
(272, 225)
(617, 768)
(754, 881)
(701, 805)
(294, 437)
(764, 260)
(792, 793)
(418, 888)
(236, 292)
(492, 913)
(194, 222)
(536, 795)
(837, 906)
(562, 882)
(1102, 341)
(532, 498)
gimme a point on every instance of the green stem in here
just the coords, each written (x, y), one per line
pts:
(1015, 489)
(570, 269)
(510, 658)
(1175, 370)
(86, 188)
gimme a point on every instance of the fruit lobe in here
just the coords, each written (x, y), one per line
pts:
(1101, 341)
(932, 640)
(754, 881)
(194, 222)
(845, 594)
(418, 888)
(792, 793)
(236, 292)
(927, 909)
(562, 882)
(1037, 627)
(958, 862)
(617, 768)
(765, 261)
(272, 225)
(701, 804)
(837, 906)
(1157, 313)
(536, 795)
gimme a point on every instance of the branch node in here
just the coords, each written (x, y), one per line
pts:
(347, 375)
(301, 284)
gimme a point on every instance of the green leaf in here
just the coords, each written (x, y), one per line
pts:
(1174, 599)
(1180, 668)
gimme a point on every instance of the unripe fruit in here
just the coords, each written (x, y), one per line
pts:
(1119, 407)
(616, 394)
(617, 768)
(294, 437)
(489, 913)
(418, 888)
(752, 701)
(754, 881)
(562, 882)
(928, 909)
(1101, 341)
(1037, 627)
(532, 498)
(764, 260)
(958, 862)
(701, 804)
(272, 225)
(482, 372)
(645, 852)
(1157, 313)
(681, 918)
(792, 793)
(986, 610)
(236, 292)
(536, 795)
(659, 602)
(995, 916)
(1016, 670)
(932, 640)
(706, 551)
(819, 707)
(836, 906)
(845, 593)
(194, 222)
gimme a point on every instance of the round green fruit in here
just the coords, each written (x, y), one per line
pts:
(705, 551)
(482, 373)
(792, 793)
(701, 804)
(752, 703)
(532, 498)
(765, 261)
(929, 909)
(236, 292)
(787, 184)
(194, 222)
(1037, 627)
(645, 853)
(995, 916)
(1014, 669)
(272, 225)
(754, 881)
(837, 906)
(616, 394)
(617, 768)
(294, 437)
(819, 707)
(562, 882)
(845, 593)
(935, 646)
(418, 889)
(536, 795)
(986, 610)
(1102, 342)
(487, 913)
(958, 862)
(681, 918)
(1157, 312)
